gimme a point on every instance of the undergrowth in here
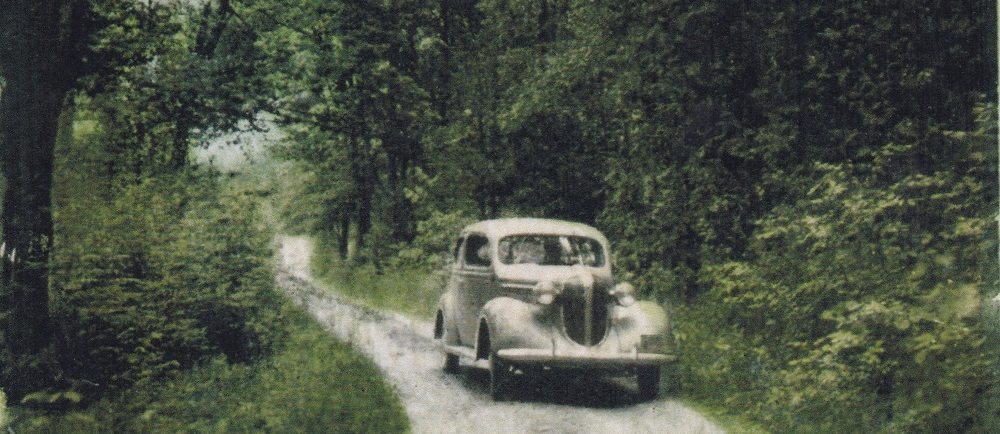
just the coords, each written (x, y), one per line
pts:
(312, 384)
(413, 292)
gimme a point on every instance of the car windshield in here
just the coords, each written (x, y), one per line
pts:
(551, 250)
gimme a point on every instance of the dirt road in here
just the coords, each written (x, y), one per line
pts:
(436, 402)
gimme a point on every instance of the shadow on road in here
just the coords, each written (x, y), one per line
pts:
(571, 389)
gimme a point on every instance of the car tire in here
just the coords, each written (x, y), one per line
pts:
(450, 363)
(499, 378)
(648, 378)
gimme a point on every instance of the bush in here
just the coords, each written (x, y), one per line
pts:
(310, 383)
(435, 239)
(863, 299)
(407, 290)
(171, 272)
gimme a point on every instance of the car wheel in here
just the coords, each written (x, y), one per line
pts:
(450, 363)
(648, 378)
(499, 378)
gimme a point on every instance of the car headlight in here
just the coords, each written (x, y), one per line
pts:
(546, 291)
(624, 292)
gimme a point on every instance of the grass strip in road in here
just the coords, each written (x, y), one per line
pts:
(312, 384)
(411, 292)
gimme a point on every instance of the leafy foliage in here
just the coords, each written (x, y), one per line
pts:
(309, 384)
(147, 279)
(412, 291)
(434, 242)
(344, 78)
(180, 75)
(168, 318)
(152, 289)
(806, 181)
(156, 76)
(870, 295)
(807, 178)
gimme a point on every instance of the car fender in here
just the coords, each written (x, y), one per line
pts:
(445, 327)
(655, 320)
(511, 323)
(644, 318)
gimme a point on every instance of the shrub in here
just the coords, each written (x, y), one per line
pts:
(434, 241)
(169, 273)
(864, 297)
(310, 383)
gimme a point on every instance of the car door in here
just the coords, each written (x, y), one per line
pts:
(453, 291)
(475, 277)
(458, 287)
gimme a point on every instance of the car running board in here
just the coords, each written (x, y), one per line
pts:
(466, 353)
(459, 351)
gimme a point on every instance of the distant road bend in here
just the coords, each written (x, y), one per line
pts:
(436, 402)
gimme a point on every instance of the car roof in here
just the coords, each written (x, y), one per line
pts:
(499, 228)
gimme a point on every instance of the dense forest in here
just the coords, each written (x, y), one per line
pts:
(811, 187)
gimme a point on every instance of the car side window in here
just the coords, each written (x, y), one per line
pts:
(477, 251)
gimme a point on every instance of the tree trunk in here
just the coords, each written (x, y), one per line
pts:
(364, 216)
(179, 153)
(40, 43)
(29, 115)
(399, 207)
(345, 233)
(362, 186)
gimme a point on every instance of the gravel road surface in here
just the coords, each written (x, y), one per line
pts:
(435, 402)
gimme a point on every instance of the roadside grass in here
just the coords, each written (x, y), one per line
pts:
(991, 324)
(729, 422)
(311, 384)
(710, 383)
(412, 292)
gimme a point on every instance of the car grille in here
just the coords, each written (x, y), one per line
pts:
(575, 317)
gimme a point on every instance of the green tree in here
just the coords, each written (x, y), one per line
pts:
(190, 75)
(345, 84)
(40, 61)
(153, 70)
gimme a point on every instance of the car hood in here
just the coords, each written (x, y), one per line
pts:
(575, 275)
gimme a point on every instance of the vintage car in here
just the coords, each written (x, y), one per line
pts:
(528, 295)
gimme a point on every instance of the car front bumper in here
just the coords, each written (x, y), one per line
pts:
(582, 358)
